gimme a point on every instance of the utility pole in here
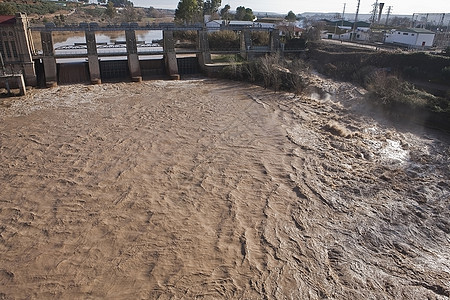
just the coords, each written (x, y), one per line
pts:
(356, 20)
(388, 14)
(343, 14)
(374, 12)
(441, 22)
(380, 11)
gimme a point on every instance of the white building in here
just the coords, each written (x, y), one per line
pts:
(215, 25)
(411, 37)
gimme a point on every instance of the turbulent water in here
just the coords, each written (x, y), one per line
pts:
(209, 189)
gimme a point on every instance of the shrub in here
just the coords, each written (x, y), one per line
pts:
(396, 95)
(223, 40)
(260, 38)
(186, 36)
(364, 75)
(271, 71)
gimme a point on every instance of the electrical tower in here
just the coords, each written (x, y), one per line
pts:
(373, 18)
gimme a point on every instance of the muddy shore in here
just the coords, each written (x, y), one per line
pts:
(213, 189)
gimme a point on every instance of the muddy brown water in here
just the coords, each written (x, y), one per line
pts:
(210, 189)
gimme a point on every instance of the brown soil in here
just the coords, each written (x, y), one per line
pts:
(214, 189)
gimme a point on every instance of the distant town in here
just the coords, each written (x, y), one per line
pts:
(382, 26)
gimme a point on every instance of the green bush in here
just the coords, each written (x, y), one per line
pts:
(186, 36)
(223, 40)
(38, 7)
(271, 71)
(260, 38)
(399, 96)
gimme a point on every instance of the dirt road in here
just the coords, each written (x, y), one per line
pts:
(209, 189)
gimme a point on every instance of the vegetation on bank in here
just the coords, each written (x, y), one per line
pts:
(387, 90)
(403, 84)
(271, 71)
(38, 7)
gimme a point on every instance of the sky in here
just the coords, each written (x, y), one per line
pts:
(399, 7)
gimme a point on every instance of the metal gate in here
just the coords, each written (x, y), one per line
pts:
(113, 70)
(188, 65)
(152, 68)
(70, 73)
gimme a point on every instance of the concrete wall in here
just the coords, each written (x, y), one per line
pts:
(48, 59)
(170, 56)
(133, 58)
(16, 46)
(94, 66)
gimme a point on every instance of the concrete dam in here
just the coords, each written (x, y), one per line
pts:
(44, 68)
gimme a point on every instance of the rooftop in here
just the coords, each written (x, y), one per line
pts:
(6, 20)
(416, 30)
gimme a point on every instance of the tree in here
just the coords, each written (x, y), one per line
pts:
(121, 3)
(7, 9)
(225, 12)
(249, 16)
(240, 13)
(130, 14)
(211, 6)
(291, 17)
(110, 10)
(188, 11)
(313, 32)
(244, 14)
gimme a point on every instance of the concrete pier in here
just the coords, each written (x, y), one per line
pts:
(94, 66)
(133, 57)
(48, 59)
(170, 56)
(274, 41)
(246, 43)
(204, 57)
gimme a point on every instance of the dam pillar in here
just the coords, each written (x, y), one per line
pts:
(48, 59)
(25, 48)
(204, 57)
(170, 57)
(94, 65)
(133, 57)
(245, 42)
(274, 41)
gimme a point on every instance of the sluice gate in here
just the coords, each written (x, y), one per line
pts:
(113, 70)
(188, 65)
(152, 68)
(72, 73)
